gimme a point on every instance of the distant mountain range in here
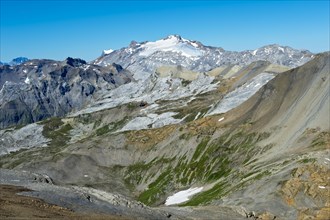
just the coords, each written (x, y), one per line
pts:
(15, 61)
(174, 50)
(146, 62)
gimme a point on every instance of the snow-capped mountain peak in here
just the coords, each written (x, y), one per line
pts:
(144, 58)
(172, 43)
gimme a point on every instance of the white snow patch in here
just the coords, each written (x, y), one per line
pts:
(198, 114)
(194, 44)
(241, 94)
(281, 49)
(322, 187)
(254, 52)
(182, 196)
(24, 71)
(85, 175)
(27, 80)
(172, 44)
(327, 159)
(85, 67)
(221, 119)
(106, 52)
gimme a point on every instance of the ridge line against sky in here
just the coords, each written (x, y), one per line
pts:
(58, 29)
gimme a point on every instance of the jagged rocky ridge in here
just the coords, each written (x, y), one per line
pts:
(145, 57)
(39, 89)
(152, 64)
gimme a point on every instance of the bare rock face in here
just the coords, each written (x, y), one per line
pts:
(39, 89)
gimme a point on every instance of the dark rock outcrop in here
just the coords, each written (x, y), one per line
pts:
(40, 89)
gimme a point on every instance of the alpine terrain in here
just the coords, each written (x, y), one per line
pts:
(170, 129)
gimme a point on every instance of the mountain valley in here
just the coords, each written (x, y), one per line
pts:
(171, 129)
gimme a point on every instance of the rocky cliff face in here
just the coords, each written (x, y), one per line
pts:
(40, 89)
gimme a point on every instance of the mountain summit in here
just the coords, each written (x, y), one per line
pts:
(16, 61)
(173, 50)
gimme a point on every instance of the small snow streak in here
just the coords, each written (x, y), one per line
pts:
(182, 196)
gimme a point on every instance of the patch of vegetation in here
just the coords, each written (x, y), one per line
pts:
(321, 141)
(185, 82)
(212, 161)
(118, 124)
(85, 118)
(200, 148)
(103, 130)
(156, 189)
(12, 159)
(55, 130)
(136, 172)
(307, 160)
(131, 106)
(262, 175)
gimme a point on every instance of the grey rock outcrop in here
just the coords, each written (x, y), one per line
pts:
(40, 89)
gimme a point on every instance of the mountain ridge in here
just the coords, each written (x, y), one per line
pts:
(16, 61)
(193, 55)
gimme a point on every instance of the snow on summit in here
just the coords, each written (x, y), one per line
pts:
(172, 43)
(105, 52)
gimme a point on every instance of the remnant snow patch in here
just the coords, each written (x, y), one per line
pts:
(322, 187)
(105, 52)
(199, 113)
(182, 196)
(27, 80)
(221, 119)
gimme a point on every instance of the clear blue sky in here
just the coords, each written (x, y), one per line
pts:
(58, 29)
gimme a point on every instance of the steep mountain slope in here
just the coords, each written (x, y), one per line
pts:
(40, 89)
(269, 154)
(146, 57)
(294, 108)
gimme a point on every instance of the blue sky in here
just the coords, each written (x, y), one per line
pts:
(58, 29)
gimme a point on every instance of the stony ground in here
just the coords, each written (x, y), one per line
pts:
(14, 206)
